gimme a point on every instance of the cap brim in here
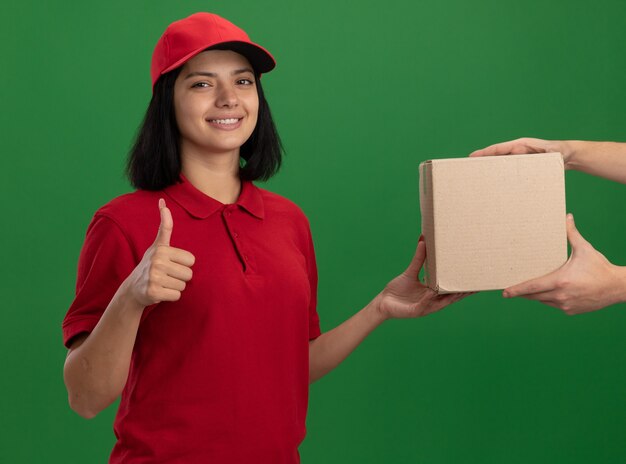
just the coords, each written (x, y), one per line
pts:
(260, 59)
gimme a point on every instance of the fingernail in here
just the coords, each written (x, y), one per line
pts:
(505, 294)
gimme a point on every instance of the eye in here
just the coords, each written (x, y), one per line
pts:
(201, 85)
(245, 81)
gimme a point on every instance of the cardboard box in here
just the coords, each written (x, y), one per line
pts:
(492, 222)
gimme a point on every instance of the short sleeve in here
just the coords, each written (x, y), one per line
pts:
(314, 320)
(106, 259)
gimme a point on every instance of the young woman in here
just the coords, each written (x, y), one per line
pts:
(196, 294)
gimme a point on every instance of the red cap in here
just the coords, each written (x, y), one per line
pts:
(184, 39)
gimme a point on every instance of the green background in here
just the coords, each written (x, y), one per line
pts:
(362, 93)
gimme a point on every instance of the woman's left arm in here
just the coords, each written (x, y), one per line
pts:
(403, 297)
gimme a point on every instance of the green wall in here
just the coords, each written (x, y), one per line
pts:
(362, 93)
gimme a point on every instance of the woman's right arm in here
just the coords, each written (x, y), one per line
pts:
(96, 367)
(97, 364)
(603, 159)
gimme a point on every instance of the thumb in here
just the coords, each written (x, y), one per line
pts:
(167, 224)
(418, 259)
(573, 236)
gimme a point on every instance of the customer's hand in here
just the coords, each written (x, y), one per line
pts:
(586, 282)
(528, 145)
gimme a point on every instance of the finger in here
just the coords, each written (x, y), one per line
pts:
(447, 300)
(167, 294)
(503, 148)
(552, 299)
(514, 147)
(179, 271)
(418, 259)
(439, 302)
(180, 256)
(540, 284)
(454, 297)
(573, 236)
(167, 224)
(544, 297)
(172, 283)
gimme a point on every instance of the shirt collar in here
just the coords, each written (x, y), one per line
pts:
(201, 206)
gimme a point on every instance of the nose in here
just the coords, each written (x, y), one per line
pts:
(227, 97)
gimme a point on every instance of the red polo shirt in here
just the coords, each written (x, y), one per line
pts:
(222, 374)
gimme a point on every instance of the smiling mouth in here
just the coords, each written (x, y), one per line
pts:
(225, 121)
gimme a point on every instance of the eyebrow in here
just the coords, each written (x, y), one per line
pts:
(210, 74)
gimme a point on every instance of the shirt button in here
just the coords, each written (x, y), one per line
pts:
(236, 235)
(245, 257)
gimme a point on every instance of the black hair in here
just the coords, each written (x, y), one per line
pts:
(154, 160)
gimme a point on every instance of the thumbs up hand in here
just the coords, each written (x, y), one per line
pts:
(164, 271)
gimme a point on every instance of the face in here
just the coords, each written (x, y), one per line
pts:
(216, 103)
